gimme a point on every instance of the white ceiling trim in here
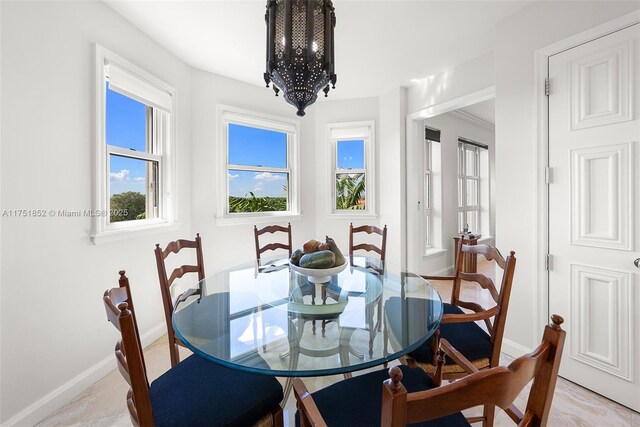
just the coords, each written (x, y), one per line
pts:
(468, 117)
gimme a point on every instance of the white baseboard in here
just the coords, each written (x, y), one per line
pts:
(447, 271)
(62, 395)
(514, 349)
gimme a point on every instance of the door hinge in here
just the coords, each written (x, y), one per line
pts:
(547, 87)
(547, 262)
(547, 175)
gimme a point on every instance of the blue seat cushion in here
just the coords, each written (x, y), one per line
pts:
(197, 392)
(468, 338)
(357, 401)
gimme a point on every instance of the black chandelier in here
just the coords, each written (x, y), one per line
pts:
(300, 59)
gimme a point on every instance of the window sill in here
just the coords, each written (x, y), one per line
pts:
(265, 218)
(433, 252)
(132, 232)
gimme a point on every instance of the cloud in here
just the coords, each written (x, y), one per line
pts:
(121, 176)
(258, 188)
(268, 176)
(231, 177)
(139, 178)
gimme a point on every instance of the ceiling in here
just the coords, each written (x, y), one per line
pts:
(380, 45)
(485, 110)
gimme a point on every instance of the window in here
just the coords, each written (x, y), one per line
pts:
(352, 179)
(134, 165)
(469, 200)
(259, 171)
(432, 136)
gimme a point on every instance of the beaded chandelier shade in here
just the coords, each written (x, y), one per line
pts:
(300, 56)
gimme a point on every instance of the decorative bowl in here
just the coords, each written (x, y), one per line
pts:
(319, 275)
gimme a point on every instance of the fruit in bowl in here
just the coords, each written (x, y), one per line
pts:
(315, 254)
(318, 261)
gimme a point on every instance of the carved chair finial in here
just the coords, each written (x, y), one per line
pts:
(395, 376)
(557, 321)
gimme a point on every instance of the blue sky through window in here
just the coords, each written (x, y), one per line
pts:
(350, 154)
(126, 128)
(249, 146)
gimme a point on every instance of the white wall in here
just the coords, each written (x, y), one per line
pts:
(226, 245)
(338, 111)
(391, 172)
(451, 128)
(451, 84)
(517, 38)
(53, 323)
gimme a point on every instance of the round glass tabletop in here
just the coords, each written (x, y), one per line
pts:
(272, 320)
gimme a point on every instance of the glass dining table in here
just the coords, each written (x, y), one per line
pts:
(272, 320)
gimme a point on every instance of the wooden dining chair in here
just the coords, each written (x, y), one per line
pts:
(460, 329)
(408, 396)
(166, 281)
(273, 245)
(195, 391)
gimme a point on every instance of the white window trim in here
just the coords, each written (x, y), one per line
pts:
(227, 114)
(428, 197)
(352, 131)
(102, 230)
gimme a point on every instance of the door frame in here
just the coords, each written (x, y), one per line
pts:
(415, 134)
(541, 73)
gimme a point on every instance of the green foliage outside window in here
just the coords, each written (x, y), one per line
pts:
(350, 191)
(128, 206)
(251, 203)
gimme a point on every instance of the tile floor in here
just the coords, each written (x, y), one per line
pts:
(103, 404)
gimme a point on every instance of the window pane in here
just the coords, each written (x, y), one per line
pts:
(470, 161)
(350, 191)
(251, 191)
(133, 190)
(249, 146)
(472, 221)
(350, 154)
(472, 192)
(126, 122)
(427, 191)
(460, 195)
(427, 230)
(460, 221)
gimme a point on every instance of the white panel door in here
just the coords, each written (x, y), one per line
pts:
(594, 208)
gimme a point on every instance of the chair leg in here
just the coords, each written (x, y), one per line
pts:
(489, 415)
(313, 302)
(437, 376)
(278, 419)
(173, 351)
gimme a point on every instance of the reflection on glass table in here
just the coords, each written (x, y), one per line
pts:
(236, 314)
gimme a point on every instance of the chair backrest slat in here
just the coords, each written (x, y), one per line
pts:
(273, 245)
(166, 282)
(484, 281)
(368, 229)
(121, 360)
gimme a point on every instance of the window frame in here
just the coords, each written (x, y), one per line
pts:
(463, 207)
(428, 196)
(352, 131)
(161, 137)
(226, 115)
